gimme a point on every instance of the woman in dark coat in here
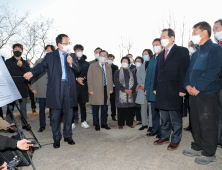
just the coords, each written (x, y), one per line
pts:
(125, 83)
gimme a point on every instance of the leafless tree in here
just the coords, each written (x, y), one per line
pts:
(10, 24)
(128, 46)
(125, 46)
(35, 37)
(180, 25)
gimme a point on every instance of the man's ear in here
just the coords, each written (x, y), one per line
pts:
(205, 33)
(59, 46)
(173, 39)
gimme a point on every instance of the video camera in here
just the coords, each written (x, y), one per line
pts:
(12, 164)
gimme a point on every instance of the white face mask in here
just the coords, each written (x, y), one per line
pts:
(110, 61)
(131, 60)
(97, 56)
(191, 50)
(66, 48)
(218, 35)
(125, 65)
(137, 64)
(196, 39)
(102, 60)
(165, 42)
(157, 49)
(79, 54)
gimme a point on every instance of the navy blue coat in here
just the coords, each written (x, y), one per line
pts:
(205, 68)
(169, 78)
(52, 63)
(150, 75)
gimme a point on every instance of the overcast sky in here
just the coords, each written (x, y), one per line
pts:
(101, 23)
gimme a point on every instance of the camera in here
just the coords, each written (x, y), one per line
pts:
(12, 164)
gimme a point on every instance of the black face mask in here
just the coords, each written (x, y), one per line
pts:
(17, 53)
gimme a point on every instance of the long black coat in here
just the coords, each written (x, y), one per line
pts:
(52, 63)
(169, 78)
(17, 74)
(83, 90)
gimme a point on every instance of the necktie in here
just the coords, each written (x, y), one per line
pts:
(221, 42)
(165, 56)
(104, 75)
(64, 54)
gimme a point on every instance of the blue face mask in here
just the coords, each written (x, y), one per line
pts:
(145, 57)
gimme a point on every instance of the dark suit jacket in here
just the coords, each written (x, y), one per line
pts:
(114, 68)
(52, 63)
(17, 74)
(83, 90)
(169, 78)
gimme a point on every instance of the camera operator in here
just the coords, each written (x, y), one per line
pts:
(7, 126)
(8, 143)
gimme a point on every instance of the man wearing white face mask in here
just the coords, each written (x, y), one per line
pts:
(81, 86)
(39, 87)
(100, 87)
(191, 48)
(96, 54)
(171, 69)
(217, 29)
(114, 67)
(131, 66)
(202, 83)
(61, 88)
(149, 81)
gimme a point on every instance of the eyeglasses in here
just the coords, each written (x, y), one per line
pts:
(66, 43)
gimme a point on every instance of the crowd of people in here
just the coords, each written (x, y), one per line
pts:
(156, 90)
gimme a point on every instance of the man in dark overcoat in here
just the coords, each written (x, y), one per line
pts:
(170, 73)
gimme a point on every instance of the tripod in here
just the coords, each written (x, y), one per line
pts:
(28, 127)
(19, 132)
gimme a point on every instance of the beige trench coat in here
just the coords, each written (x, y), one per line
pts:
(3, 124)
(95, 80)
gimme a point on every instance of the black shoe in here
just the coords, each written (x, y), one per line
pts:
(56, 144)
(158, 136)
(114, 119)
(187, 128)
(70, 141)
(41, 129)
(150, 129)
(143, 127)
(106, 127)
(97, 128)
(219, 145)
(152, 133)
(25, 127)
(33, 111)
(10, 131)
